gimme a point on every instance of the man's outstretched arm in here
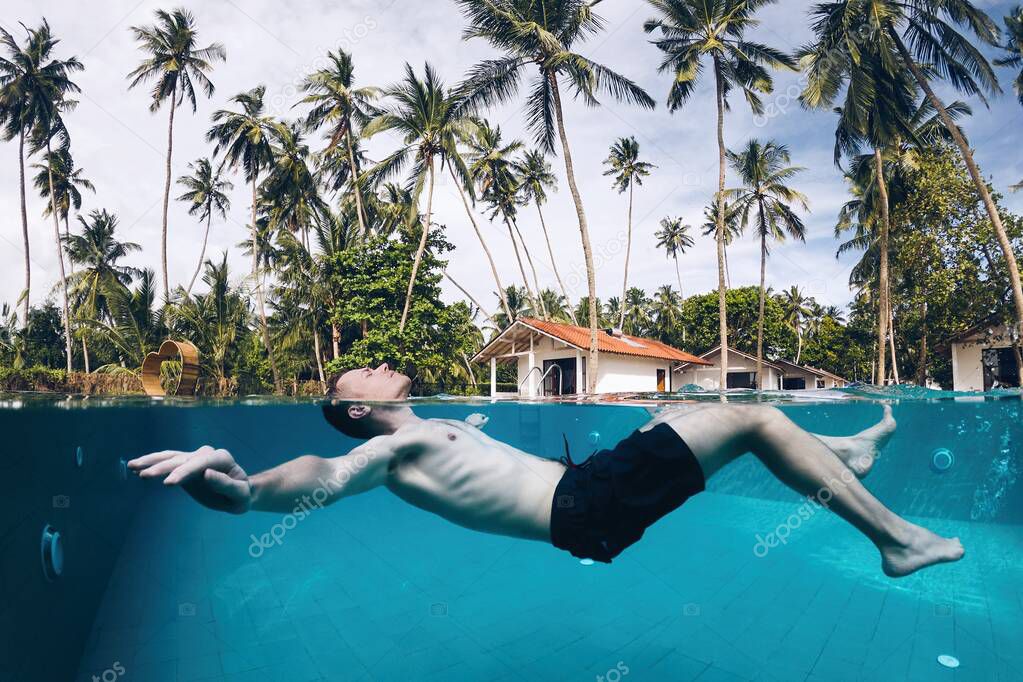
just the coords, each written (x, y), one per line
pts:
(215, 480)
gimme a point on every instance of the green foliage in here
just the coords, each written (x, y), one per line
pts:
(700, 316)
(368, 284)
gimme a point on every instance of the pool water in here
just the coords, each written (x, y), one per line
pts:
(157, 589)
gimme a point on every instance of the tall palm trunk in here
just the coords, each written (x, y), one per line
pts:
(921, 370)
(799, 343)
(24, 226)
(532, 268)
(978, 180)
(319, 360)
(760, 315)
(681, 296)
(85, 354)
(722, 305)
(355, 178)
(202, 254)
(483, 243)
(166, 192)
(419, 252)
(470, 297)
(628, 251)
(554, 266)
(891, 340)
(584, 233)
(882, 284)
(60, 256)
(518, 257)
(258, 283)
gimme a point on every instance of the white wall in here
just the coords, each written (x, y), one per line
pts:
(615, 373)
(624, 373)
(708, 376)
(967, 367)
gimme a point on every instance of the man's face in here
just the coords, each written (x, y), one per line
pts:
(381, 383)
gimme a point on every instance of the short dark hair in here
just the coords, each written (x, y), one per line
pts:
(336, 414)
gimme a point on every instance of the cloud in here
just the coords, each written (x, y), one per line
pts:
(121, 145)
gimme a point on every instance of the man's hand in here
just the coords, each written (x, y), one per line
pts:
(210, 476)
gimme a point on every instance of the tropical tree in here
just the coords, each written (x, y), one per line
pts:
(1013, 47)
(674, 238)
(733, 230)
(535, 179)
(796, 310)
(519, 304)
(35, 88)
(134, 328)
(206, 192)
(628, 171)
(97, 251)
(430, 120)
(68, 183)
(764, 200)
(543, 35)
(244, 137)
(175, 65)
(290, 193)
(636, 309)
(922, 39)
(690, 31)
(666, 309)
(494, 171)
(340, 106)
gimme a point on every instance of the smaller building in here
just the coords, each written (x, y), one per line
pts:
(742, 373)
(550, 359)
(984, 358)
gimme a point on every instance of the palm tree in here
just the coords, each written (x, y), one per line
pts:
(674, 238)
(543, 34)
(666, 309)
(173, 61)
(68, 183)
(244, 138)
(97, 251)
(795, 309)
(494, 171)
(519, 304)
(733, 230)
(34, 91)
(430, 121)
(290, 193)
(338, 104)
(133, 328)
(635, 311)
(935, 47)
(535, 179)
(689, 31)
(1014, 48)
(628, 171)
(206, 191)
(765, 197)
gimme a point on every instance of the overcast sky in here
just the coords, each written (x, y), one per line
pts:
(121, 145)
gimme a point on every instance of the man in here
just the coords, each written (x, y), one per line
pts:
(594, 510)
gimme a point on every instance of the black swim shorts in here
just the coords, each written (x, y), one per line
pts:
(603, 505)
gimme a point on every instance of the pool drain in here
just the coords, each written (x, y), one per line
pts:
(942, 460)
(948, 661)
(51, 550)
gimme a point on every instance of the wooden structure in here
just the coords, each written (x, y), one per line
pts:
(171, 350)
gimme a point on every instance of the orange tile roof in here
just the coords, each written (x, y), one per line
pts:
(624, 345)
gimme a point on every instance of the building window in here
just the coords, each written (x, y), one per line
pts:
(742, 380)
(820, 383)
(1000, 368)
(793, 384)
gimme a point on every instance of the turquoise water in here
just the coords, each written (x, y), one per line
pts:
(155, 588)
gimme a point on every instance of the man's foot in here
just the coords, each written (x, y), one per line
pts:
(859, 452)
(921, 548)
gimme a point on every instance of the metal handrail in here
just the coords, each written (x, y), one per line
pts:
(543, 375)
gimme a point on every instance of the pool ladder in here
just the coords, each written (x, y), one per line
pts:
(543, 375)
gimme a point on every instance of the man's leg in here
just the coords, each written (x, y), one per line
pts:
(719, 434)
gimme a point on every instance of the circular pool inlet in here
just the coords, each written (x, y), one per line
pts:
(948, 661)
(586, 562)
(942, 460)
(51, 549)
(79, 456)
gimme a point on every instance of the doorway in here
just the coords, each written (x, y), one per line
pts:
(566, 369)
(660, 380)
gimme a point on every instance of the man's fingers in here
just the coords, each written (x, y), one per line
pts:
(153, 458)
(225, 485)
(214, 459)
(166, 466)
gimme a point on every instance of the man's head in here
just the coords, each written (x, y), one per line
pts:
(359, 420)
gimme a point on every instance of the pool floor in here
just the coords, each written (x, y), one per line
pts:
(373, 590)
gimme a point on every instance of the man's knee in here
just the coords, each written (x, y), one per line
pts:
(762, 418)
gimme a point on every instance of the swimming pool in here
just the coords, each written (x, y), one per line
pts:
(155, 588)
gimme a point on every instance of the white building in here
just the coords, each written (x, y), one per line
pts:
(742, 373)
(983, 359)
(550, 359)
